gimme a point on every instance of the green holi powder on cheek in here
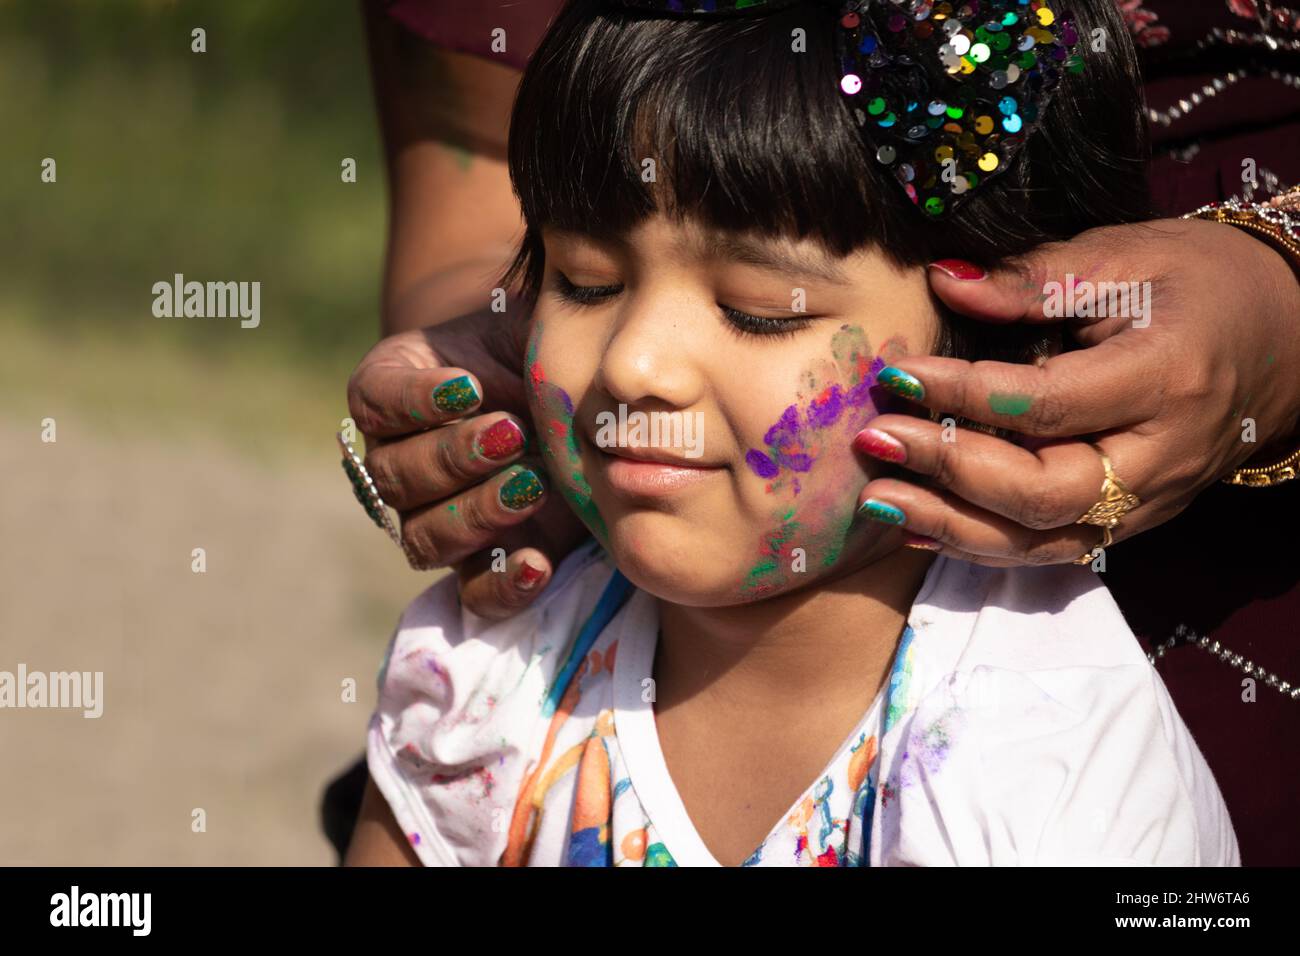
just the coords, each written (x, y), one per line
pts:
(553, 417)
(1010, 403)
(769, 572)
(823, 539)
(837, 534)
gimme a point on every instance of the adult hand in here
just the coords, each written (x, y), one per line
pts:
(1167, 394)
(447, 447)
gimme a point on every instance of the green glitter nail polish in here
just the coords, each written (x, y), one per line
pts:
(521, 490)
(456, 395)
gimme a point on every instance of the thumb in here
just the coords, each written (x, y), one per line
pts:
(1011, 292)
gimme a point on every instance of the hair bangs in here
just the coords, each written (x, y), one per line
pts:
(621, 116)
(738, 122)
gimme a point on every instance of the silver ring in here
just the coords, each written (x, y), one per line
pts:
(363, 486)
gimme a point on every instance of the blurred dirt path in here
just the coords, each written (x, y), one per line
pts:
(222, 690)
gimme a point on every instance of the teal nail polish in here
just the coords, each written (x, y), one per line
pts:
(879, 511)
(901, 383)
(521, 490)
(456, 395)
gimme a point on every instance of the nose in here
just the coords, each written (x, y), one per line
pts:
(653, 354)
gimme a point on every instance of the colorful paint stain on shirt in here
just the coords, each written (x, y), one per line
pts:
(900, 680)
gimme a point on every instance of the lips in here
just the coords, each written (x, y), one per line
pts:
(641, 473)
(653, 456)
(635, 478)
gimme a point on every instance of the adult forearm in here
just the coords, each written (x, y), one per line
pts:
(453, 219)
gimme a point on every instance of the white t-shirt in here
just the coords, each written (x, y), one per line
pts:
(1021, 725)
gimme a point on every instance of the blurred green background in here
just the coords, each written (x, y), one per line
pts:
(226, 690)
(222, 165)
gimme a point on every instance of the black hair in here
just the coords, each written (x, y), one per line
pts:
(750, 136)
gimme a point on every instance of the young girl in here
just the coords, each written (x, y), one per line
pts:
(728, 216)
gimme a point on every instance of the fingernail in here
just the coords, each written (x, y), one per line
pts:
(900, 383)
(879, 511)
(878, 444)
(922, 542)
(456, 394)
(960, 269)
(501, 440)
(521, 490)
(528, 577)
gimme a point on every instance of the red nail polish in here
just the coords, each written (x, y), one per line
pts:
(878, 444)
(922, 542)
(960, 269)
(502, 440)
(528, 577)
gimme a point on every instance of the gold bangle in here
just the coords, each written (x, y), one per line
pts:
(1278, 223)
(1275, 234)
(1268, 475)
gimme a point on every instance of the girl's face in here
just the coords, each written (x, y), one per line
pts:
(696, 394)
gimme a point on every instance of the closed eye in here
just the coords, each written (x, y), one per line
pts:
(744, 322)
(583, 294)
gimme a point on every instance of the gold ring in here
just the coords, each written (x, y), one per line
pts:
(1088, 556)
(1115, 502)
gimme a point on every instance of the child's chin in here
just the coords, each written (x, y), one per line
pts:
(683, 571)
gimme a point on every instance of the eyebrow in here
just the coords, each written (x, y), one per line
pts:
(738, 248)
(764, 255)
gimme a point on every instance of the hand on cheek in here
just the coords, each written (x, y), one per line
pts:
(809, 471)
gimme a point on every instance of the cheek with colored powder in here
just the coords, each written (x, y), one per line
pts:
(815, 519)
(553, 419)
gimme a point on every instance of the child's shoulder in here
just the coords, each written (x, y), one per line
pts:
(1025, 618)
(1030, 727)
(460, 714)
(441, 649)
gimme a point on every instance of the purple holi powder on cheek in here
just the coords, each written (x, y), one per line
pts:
(866, 392)
(823, 411)
(760, 464)
(785, 429)
(826, 408)
(796, 462)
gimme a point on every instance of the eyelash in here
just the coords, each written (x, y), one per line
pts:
(756, 325)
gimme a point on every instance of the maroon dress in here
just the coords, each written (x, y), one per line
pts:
(1221, 89)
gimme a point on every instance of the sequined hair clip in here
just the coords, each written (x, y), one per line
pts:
(946, 93)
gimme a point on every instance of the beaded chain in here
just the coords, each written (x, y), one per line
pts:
(1185, 636)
